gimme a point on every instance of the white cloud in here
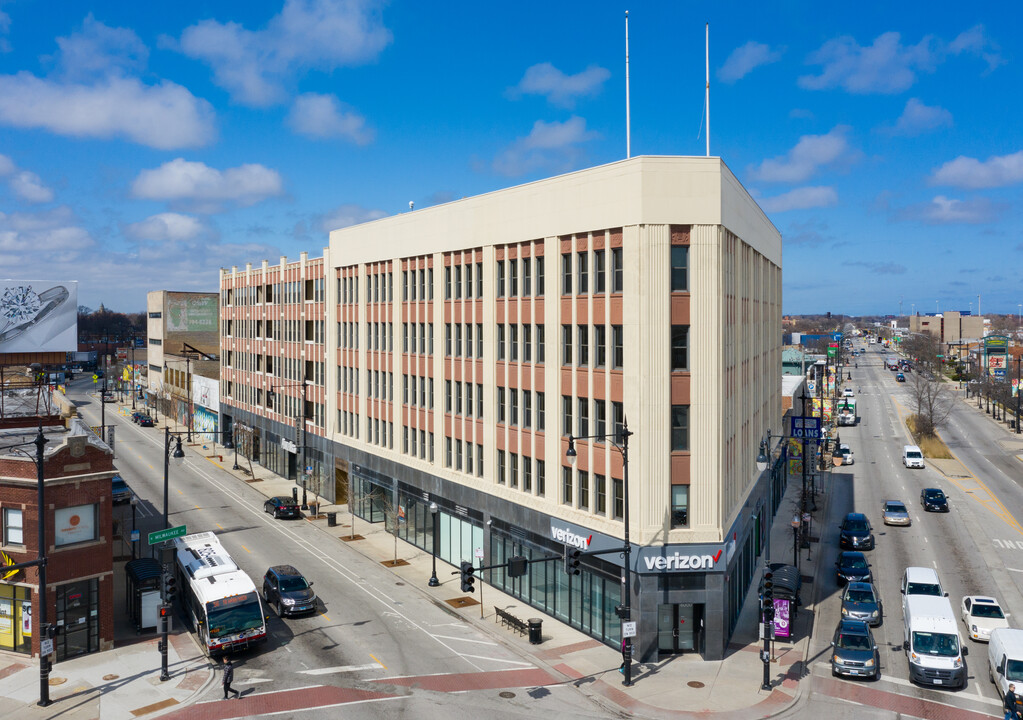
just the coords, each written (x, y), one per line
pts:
(801, 199)
(548, 145)
(745, 59)
(255, 65)
(967, 172)
(166, 227)
(99, 50)
(560, 89)
(918, 118)
(43, 236)
(346, 216)
(809, 154)
(164, 116)
(879, 268)
(887, 66)
(944, 210)
(323, 116)
(5, 26)
(7, 166)
(29, 186)
(205, 189)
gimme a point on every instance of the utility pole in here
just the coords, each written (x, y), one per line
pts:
(44, 626)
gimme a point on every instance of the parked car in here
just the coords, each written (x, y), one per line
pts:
(894, 512)
(286, 588)
(862, 601)
(121, 493)
(981, 615)
(136, 416)
(899, 377)
(854, 652)
(846, 453)
(145, 421)
(933, 500)
(108, 397)
(856, 533)
(852, 566)
(282, 506)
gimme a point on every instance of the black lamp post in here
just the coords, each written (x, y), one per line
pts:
(434, 582)
(234, 444)
(300, 434)
(624, 610)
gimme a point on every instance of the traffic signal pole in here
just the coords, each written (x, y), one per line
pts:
(767, 623)
(168, 589)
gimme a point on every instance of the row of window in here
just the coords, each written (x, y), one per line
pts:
(453, 336)
(420, 448)
(417, 284)
(509, 270)
(418, 338)
(509, 414)
(289, 293)
(584, 260)
(508, 342)
(457, 452)
(379, 288)
(458, 278)
(586, 491)
(414, 391)
(511, 467)
(582, 337)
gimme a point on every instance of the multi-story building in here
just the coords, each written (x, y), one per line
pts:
(437, 363)
(77, 469)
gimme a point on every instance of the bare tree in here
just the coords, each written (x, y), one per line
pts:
(933, 402)
(924, 349)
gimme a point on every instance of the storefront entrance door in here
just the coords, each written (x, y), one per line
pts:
(680, 628)
(77, 609)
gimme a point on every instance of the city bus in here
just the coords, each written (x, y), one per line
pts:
(218, 598)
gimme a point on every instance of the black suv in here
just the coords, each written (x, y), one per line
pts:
(852, 566)
(933, 500)
(856, 533)
(286, 588)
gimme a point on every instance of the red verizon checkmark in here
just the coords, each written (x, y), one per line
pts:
(588, 540)
(718, 556)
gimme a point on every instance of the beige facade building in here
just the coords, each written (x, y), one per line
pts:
(464, 345)
(949, 327)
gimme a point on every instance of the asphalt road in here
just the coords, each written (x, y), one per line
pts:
(966, 546)
(377, 647)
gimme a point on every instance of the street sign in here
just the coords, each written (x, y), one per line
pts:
(46, 646)
(168, 534)
(478, 553)
(805, 428)
(629, 629)
(134, 535)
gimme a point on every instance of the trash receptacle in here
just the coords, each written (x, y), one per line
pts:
(294, 494)
(314, 510)
(535, 636)
(331, 519)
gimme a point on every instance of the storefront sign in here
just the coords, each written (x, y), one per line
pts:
(782, 626)
(75, 524)
(576, 536)
(681, 558)
(288, 445)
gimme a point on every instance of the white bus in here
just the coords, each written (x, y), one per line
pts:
(219, 599)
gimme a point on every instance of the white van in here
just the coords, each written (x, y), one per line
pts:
(912, 457)
(931, 640)
(1005, 659)
(920, 581)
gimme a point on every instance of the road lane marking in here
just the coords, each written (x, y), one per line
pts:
(494, 659)
(325, 617)
(341, 669)
(246, 550)
(480, 642)
(377, 661)
(254, 681)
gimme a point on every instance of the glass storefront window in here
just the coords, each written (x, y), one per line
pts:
(15, 618)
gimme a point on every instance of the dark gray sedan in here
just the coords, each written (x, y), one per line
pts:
(282, 507)
(854, 652)
(861, 601)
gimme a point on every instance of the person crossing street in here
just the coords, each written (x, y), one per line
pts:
(229, 678)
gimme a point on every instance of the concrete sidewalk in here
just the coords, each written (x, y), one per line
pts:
(124, 682)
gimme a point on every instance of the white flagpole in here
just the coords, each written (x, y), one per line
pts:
(628, 119)
(707, 99)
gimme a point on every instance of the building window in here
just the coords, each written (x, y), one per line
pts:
(479, 460)
(584, 489)
(617, 271)
(679, 268)
(513, 277)
(513, 403)
(514, 330)
(468, 399)
(566, 274)
(479, 340)
(599, 284)
(527, 408)
(566, 415)
(617, 347)
(468, 453)
(468, 338)
(527, 343)
(618, 501)
(527, 474)
(679, 506)
(541, 332)
(539, 277)
(447, 452)
(679, 347)
(584, 273)
(447, 396)
(541, 478)
(600, 428)
(584, 345)
(500, 342)
(566, 344)
(500, 467)
(500, 278)
(513, 470)
(14, 527)
(479, 400)
(541, 423)
(468, 294)
(527, 289)
(618, 420)
(599, 346)
(679, 427)
(566, 485)
(500, 404)
(76, 524)
(458, 455)
(458, 282)
(447, 283)
(584, 417)
(600, 487)
(479, 284)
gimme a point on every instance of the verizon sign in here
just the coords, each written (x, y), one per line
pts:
(567, 537)
(681, 558)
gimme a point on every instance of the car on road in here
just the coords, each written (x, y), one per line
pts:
(847, 392)
(933, 500)
(121, 493)
(286, 589)
(852, 566)
(108, 397)
(861, 601)
(136, 416)
(846, 453)
(282, 506)
(982, 614)
(899, 377)
(855, 533)
(145, 421)
(854, 652)
(894, 512)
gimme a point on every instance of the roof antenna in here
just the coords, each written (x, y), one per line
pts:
(628, 119)
(706, 99)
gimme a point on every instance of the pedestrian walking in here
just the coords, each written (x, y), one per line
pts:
(1009, 704)
(229, 678)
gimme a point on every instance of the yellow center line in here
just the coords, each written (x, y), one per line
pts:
(246, 549)
(325, 617)
(377, 661)
(220, 526)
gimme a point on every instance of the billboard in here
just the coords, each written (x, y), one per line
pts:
(38, 316)
(190, 312)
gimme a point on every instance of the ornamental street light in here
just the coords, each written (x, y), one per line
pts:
(434, 582)
(625, 609)
(299, 431)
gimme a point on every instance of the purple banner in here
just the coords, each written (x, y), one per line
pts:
(782, 628)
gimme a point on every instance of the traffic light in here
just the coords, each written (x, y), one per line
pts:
(170, 588)
(517, 566)
(572, 561)
(767, 593)
(468, 576)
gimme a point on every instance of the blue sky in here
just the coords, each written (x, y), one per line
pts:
(145, 145)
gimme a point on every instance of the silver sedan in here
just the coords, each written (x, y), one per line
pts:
(894, 512)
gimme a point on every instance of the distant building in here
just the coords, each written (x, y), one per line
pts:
(949, 327)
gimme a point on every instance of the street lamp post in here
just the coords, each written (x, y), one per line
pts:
(434, 582)
(234, 443)
(300, 433)
(625, 609)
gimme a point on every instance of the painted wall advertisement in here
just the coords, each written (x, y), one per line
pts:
(38, 316)
(75, 524)
(191, 313)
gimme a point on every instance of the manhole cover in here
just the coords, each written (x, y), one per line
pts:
(695, 684)
(507, 695)
(111, 677)
(57, 681)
